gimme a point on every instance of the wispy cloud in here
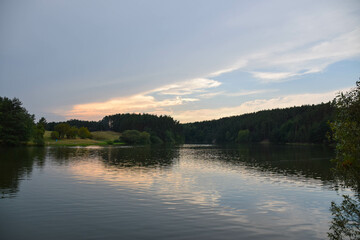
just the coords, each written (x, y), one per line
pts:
(249, 92)
(143, 102)
(211, 94)
(297, 59)
(236, 66)
(137, 103)
(236, 94)
(273, 76)
(187, 87)
(311, 59)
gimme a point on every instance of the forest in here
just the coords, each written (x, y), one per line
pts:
(305, 124)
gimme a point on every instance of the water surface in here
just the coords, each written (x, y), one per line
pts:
(186, 192)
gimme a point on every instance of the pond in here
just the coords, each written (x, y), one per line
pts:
(183, 192)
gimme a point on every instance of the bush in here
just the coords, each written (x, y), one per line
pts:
(156, 140)
(84, 133)
(62, 129)
(135, 137)
(72, 132)
(54, 135)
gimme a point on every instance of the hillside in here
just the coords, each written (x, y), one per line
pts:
(305, 124)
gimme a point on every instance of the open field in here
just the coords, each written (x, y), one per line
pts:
(99, 138)
(105, 135)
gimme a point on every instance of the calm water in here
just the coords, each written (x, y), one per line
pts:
(186, 192)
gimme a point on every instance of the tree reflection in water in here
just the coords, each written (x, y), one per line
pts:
(346, 216)
(17, 163)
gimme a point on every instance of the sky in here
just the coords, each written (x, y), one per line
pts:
(193, 60)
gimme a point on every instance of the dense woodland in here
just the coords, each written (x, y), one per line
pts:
(305, 124)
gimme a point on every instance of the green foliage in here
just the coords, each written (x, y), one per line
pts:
(156, 140)
(72, 132)
(164, 127)
(62, 129)
(55, 135)
(39, 130)
(169, 137)
(346, 129)
(135, 137)
(346, 220)
(243, 136)
(346, 134)
(84, 133)
(16, 124)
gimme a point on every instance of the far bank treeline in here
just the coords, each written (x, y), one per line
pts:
(305, 124)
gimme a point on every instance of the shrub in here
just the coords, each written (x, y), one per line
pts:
(84, 133)
(54, 135)
(156, 140)
(62, 129)
(72, 132)
(135, 137)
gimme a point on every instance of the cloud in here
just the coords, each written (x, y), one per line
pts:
(187, 87)
(236, 66)
(249, 92)
(236, 94)
(273, 76)
(137, 103)
(297, 59)
(142, 102)
(311, 59)
(211, 94)
(254, 106)
(341, 47)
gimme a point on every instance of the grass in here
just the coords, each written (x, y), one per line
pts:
(99, 138)
(105, 135)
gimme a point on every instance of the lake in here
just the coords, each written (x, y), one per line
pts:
(183, 192)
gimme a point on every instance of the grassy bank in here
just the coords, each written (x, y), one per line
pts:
(99, 138)
(105, 135)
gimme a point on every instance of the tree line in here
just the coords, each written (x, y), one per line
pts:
(305, 124)
(161, 129)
